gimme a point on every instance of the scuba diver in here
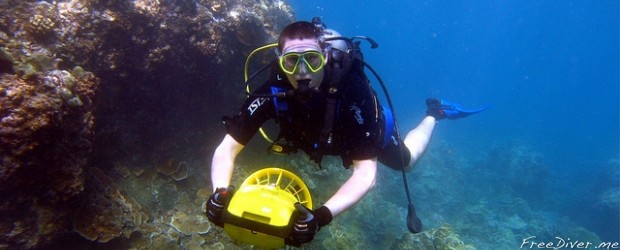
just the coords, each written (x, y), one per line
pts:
(321, 98)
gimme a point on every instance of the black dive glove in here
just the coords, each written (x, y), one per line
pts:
(307, 224)
(217, 203)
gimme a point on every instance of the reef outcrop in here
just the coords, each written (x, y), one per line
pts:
(46, 132)
(84, 83)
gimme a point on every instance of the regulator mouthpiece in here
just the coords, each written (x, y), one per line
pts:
(303, 91)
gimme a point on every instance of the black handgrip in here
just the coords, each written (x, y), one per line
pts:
(305, 215)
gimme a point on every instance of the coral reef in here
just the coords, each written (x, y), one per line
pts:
(150, 55)
(610, 198)
(491, 223)
(487, 201)
(521, 168)
(106, 212)
(176, 170)
(46, 137)
(41, 24)
(437, 185)
(439, 238)
(189, 225)
(607, 184)
(137, 59)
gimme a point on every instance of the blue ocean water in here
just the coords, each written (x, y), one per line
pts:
(550, 70)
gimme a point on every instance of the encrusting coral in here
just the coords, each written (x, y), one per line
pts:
(190, 224)
(107, 213)
(440, 238)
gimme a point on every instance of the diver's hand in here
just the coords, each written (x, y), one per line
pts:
(307, 224)
(217, 203)
(304, 227)
(443, 109)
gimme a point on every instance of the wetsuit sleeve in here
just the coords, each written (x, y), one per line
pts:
(251, 116)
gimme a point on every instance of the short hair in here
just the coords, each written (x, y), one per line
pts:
(299, 30)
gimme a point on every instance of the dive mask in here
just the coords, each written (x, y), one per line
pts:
(314, 60)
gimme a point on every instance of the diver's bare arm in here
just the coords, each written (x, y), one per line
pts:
(362, 180)
(418, 138)
(223, 161)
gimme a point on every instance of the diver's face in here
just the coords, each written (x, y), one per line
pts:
(306, 69)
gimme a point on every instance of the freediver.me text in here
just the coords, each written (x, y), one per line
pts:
(561, 243)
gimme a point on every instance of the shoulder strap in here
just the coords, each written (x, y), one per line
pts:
(339, 65)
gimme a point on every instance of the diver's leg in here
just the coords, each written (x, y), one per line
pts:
(418, 138)
(395, 154)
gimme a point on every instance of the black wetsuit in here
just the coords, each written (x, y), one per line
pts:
(358, 124)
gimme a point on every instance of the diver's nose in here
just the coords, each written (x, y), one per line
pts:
(303, 68)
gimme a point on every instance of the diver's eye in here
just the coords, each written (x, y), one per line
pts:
(314, 60)
(290, 61)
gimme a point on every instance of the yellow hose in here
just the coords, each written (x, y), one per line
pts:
(247, 84)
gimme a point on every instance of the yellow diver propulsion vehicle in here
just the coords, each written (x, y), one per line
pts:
(262, 210)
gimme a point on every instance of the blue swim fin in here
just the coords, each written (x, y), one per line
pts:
(455, 111)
